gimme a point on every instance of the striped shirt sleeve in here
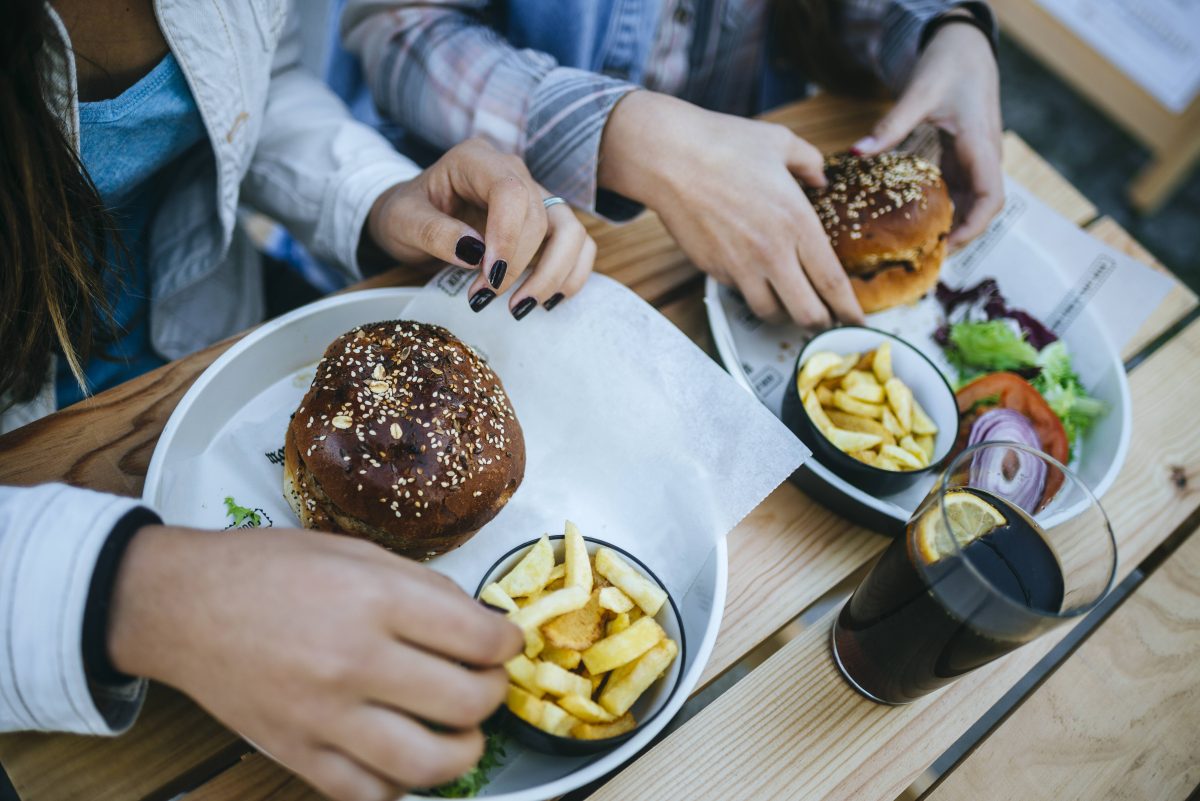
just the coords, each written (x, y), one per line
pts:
(886, 34)
(440, 72)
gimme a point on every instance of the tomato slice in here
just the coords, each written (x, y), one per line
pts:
(1010, 391)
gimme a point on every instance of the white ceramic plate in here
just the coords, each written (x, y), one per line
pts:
(280, 350)
(1099, 454)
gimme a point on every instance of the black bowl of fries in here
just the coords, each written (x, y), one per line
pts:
(871, 407)
(604, 643)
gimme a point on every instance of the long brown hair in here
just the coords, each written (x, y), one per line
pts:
(54, 230)
(807, 36)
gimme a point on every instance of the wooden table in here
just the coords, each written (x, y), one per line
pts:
(771, 718)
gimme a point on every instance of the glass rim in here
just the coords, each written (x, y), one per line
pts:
(942, 487)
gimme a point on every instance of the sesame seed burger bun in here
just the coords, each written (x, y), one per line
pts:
(887, 217)
(405, 438)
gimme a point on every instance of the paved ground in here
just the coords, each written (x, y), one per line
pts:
(1098, 158)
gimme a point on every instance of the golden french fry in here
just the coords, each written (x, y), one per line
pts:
(563, 657)
(602, 731)
(850, 441)
(579, 629)
(865, 425)
(586, 709)
(892, 424)
(532, 573)
(524, 705)
(612, 599)
(859, 378)
(866, 457)
(522, 671)
(854, 406)
(622, 691)
(579, 566)
(596, 681)
(557, 573)
(618, 623)
(902, 457)
(824, 395)
(556, 720)
(926, 441)
(534, 644)
(887, 463)
(815, 412)
(815, 368)
(900, 398)
(866, 361)
(494, 595)
(868, 393)
(549, 606)
(644, 592)
(849, 362)
(556, 681)
(921, 422)
(882, 365)
(624, 646)
(909, 444)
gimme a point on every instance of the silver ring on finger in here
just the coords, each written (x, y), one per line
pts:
(553, 200)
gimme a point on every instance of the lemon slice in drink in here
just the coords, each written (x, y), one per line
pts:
(970, 518)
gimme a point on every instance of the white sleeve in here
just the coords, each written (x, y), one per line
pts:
(315, 168)
(50, 539)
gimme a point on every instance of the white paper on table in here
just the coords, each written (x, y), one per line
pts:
(631, 431)
(1043, 263)
(1155, 42)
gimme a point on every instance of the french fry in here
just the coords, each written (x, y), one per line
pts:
(556, 720)
(926, 442)
(579, 629)
(558, 682)
(612, 599)
(815, 368)
(525, 706)
(645, 593)
(623, 647)
(557, 573)
(534, 643)
(563, 657)
(824, 395)
(586, 709)
(887, 463)
(522, 671)
(882, 365)
(865, 425)
(815, 412)
(892, 424)
(921, 422)
(619, 623)
(622, 691)
(596, 681)
(849, 362)
(854, 406)
(902, 457)
(850, 441)
(900, 398)
(602, 731)
(578, 565)
(866, 361)
(909, 444)
(866, 457)
(532, 573)
(868, 393)
(549, 606)
(494, 595)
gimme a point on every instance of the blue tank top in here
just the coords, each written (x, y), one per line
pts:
(129, 145)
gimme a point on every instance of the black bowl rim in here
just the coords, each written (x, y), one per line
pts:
(934, 463)
(607, 742)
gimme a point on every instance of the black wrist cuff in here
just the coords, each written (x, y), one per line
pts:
(104, 575)
(979, 19)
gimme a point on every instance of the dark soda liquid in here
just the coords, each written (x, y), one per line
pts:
(913, 626)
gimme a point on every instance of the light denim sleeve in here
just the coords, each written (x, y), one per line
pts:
(315, 168)
(50, 539)
(885, 35)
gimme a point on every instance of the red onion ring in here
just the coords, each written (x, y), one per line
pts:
(1009, 473)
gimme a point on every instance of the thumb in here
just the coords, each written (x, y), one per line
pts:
(413, 227)
(909, 112)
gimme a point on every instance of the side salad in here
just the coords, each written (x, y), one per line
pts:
(1008, 360)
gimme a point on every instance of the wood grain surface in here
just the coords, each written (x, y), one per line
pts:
(1120, 719)
(784, 555)
(795, 723)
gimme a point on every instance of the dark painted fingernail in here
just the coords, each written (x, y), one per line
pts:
(469, 249)
(496, 274)
(555, 299)
(481, 298)
(524, 307)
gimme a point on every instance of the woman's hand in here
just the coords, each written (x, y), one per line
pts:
(427, 216)
(363, 672)
(727, 190)
(956, 87)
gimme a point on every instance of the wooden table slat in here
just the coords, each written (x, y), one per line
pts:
(794, 722)
(1119, 719)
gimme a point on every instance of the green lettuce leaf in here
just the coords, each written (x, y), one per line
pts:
(1064, 392)
(990, 347)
